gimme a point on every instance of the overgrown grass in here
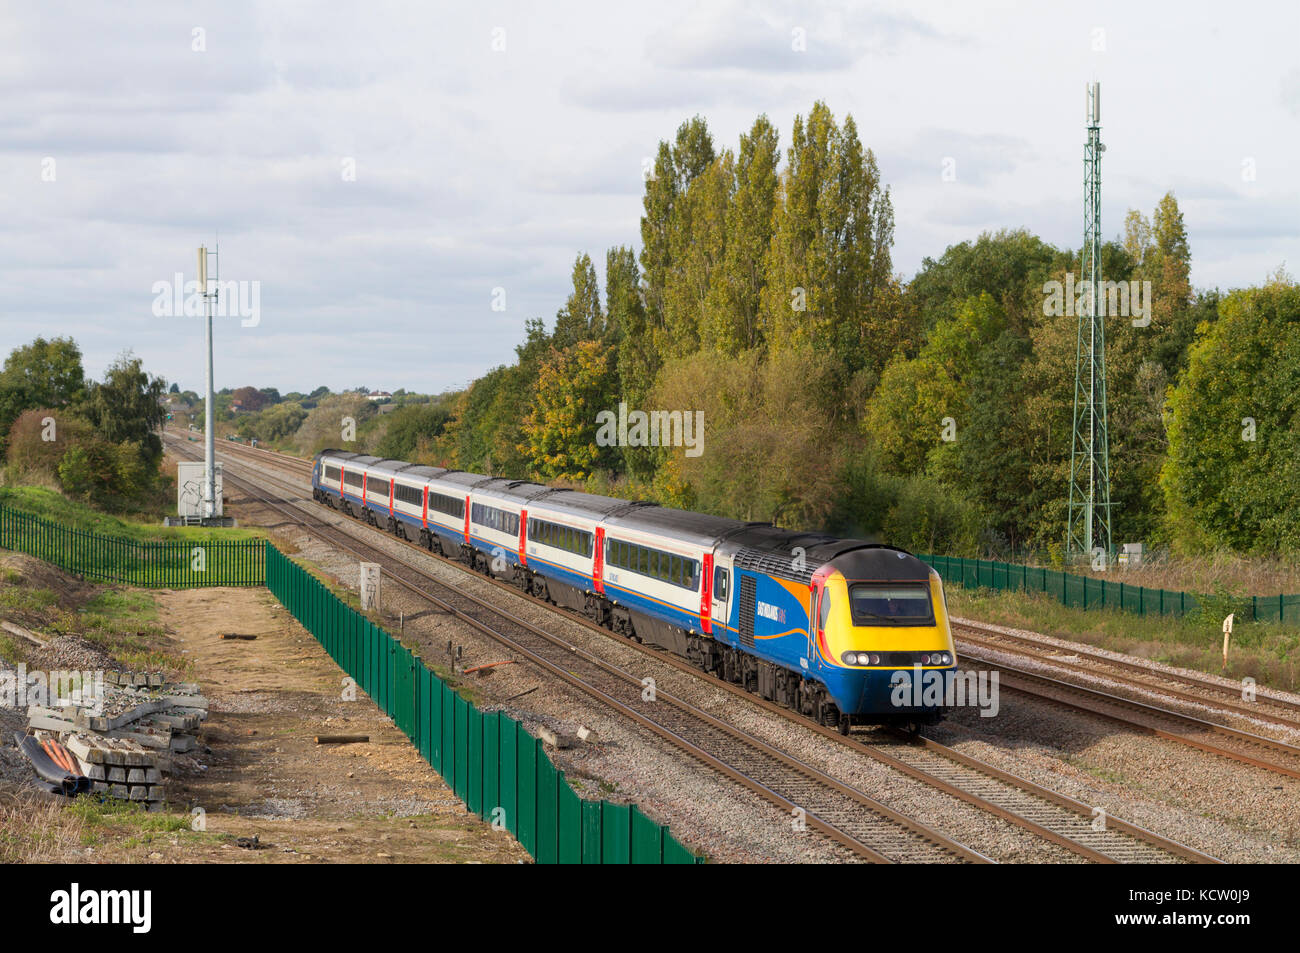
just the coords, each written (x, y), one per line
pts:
(49, 831)
(1269, 652)
(36, 831)
(122, 622)
(1215, 572)
(53, 506)
(100, 818)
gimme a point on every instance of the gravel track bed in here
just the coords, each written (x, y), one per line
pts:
(1225, 809)
(1100, 679)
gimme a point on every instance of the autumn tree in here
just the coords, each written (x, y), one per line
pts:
(126, 407)
(1232, 476)
(45, 373)
(573, 386)
(918, 413)
(250, 399)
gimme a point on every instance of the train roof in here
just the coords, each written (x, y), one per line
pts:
(698, 528)
(462, 478)
(513, 491)
(389, 468)
(348, 456)
(590, 505)
(423, 472)
(873, 562)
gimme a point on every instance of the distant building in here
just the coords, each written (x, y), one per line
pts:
(380, 396)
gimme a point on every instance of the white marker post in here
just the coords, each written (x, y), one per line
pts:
(369, 583)
(1227, 634)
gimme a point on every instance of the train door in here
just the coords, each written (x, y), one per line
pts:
(721, 613)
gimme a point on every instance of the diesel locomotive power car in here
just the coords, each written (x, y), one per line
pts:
(825, 626)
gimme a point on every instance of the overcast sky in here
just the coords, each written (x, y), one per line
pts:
(123, 147)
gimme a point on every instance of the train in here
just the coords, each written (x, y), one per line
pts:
(842, 631)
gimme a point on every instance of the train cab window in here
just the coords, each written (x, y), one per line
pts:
(720, 583)
(891, 604)
(824, 612)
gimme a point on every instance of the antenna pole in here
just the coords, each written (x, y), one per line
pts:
(209, 508)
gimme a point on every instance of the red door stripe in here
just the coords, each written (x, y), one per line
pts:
(706, 596)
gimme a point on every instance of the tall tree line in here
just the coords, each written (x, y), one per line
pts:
(935, 412)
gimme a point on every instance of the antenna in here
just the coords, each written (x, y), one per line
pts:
(1088, 526)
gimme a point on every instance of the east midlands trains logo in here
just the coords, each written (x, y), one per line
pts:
(769, 611)
(75, 907)
(931, 688)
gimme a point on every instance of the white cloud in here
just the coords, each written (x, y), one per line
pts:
(477, 169)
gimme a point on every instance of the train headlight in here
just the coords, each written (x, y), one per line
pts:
(875, 659)
(925, 658)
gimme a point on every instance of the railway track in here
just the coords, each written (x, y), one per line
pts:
(1265, 708)
(1255, 750)
(843, 814)
(1052, 816)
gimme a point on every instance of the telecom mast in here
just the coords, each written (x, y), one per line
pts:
(210, 508)
(1088, 531)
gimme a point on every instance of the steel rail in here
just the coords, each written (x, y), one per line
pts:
(1103, 704)
(989, 637)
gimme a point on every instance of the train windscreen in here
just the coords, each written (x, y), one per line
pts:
(891, 604)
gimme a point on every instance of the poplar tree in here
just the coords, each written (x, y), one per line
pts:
(581, 318)
(732, 321)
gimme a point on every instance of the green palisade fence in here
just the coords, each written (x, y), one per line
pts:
(175, 564)
(499, 770)
(1086, 592)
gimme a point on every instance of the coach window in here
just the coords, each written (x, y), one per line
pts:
(720, 584)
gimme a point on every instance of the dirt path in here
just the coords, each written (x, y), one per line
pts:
(266, 777)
